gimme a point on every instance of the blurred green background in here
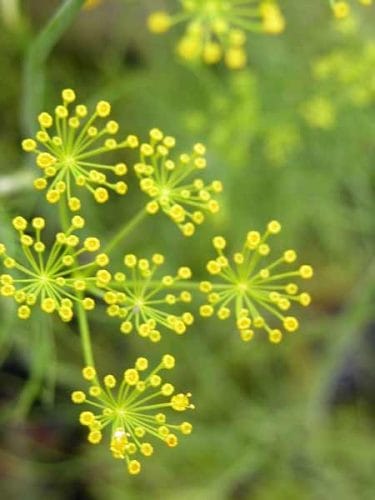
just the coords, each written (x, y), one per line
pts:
(292, 138)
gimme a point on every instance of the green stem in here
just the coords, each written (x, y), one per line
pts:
(179, 285)
(85, 336)
(36, 57)
(64, 220)
(188, 285)
(84, 329)
(39, 366)
(125, 230)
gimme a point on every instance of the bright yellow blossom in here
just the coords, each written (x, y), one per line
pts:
(168, 182)
(50, 281)
(142, 301)
(341, 8)
(319, 112)
(66, 148)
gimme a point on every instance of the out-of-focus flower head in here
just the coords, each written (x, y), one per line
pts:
(341, 8)
(216, 29)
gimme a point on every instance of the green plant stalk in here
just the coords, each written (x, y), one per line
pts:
(84, 330)
(36, 57)
(125, 230)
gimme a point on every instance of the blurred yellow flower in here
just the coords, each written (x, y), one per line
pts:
(216, 29)
(341, 8)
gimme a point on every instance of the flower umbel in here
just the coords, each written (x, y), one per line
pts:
(248, 290)
(140, 299)
(133, 410)
(66, 147)
(165, 180)
(52, 281)
(217, 29)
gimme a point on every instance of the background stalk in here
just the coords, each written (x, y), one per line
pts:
(36, 57)
(85, 336)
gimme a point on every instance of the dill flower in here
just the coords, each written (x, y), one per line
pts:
(216, 29)
(252, 292)
(49, 279)
(66, 148)
(131, 409)
(341, 8)
(140, 299)
(168, 182)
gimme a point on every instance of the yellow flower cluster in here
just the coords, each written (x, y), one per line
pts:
(163, 179)
(247, 290)
(341, 8)
(50, 281)
(63, 275)
(139, 299)
(66, 147)
(348, 74)
(133, 409)
(216, 29)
